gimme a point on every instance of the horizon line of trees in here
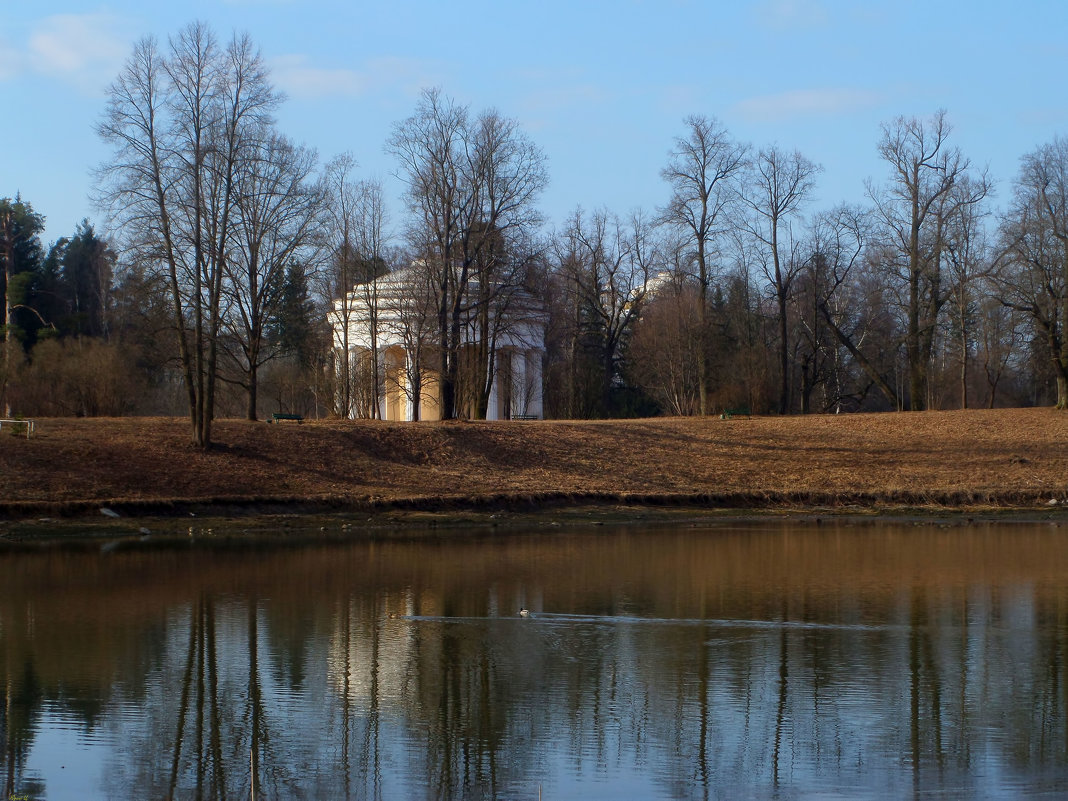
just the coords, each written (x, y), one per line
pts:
(233, 247)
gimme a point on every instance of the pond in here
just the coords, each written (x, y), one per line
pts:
(737, 660)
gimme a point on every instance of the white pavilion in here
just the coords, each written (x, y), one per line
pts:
(406, 336)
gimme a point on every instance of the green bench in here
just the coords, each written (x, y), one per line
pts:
(740, 411)
(287, 418)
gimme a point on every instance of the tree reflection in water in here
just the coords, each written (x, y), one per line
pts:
(722, 663)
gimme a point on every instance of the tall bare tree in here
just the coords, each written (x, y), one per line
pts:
(777, 184)
(609, 264)
(916, 208)
(968, 260)
(848, 295)
(277, 217)
(180, 124)
(471, 183)
(408, 304)
(371, 242)
(701, 170)
(1034, 270)
(342, 271)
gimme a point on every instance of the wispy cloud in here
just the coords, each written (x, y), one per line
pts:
(84, 49)
(298, 77)
(9, 61)
(803, 102)
(678, 99)
(792, 14)
(564, 97)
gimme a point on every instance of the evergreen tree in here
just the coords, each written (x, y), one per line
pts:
(22, 255)
(85, 274)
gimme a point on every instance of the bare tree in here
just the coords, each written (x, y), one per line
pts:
(662, 355)
(359, 255)
(179, 124)
(609, 265)
(1001, 329)
(915, 209)
(701, 170)
(342, 271)
(1034, 269)
(277, 216)
(471, 183)
(968, 259)
(408, 308)
(847, 297)
(371, 246)
(777, 185)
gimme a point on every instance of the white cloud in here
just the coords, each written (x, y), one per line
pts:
(298, 78)
(84, 49)
(793, 14)
(409, 76)
(679, 99)
(802, 102)
(564, 97)
(10, 61)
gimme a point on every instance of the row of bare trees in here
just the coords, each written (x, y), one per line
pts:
(735, 293)
(922, 298)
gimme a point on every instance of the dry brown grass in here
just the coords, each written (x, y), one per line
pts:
(1012, 457)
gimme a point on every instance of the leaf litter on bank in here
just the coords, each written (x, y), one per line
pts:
(1012, 454)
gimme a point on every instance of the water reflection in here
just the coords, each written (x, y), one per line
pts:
(759, 661)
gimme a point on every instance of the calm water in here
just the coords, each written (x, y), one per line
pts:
(743, 661)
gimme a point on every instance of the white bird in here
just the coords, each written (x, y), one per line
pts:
(524, 612)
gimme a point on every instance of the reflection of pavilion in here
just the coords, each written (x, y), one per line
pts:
(407, 356)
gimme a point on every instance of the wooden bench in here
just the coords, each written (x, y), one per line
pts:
(524, 417)
(740, 411)
(279, 417)
(30, 426)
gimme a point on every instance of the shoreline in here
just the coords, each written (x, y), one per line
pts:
(295, 521)
(377, 475)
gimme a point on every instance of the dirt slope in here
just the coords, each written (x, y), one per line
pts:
(1002, 457)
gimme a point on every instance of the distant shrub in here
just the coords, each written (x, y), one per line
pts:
(77, 378)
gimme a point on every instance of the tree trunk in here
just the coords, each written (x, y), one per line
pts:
(9, 338)
(253, 391)
(784, 357)
(806, 384)
(964, 381)
(375, 378)
(702, 338)
(861, 359)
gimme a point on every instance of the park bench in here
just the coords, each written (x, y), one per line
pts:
(524, 417)
(740, 411)
(27, 425)
(279, 417)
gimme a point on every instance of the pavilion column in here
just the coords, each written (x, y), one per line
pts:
(410, 402)
(532, 383)
(519, 395)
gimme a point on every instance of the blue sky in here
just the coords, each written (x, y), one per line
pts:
(602, 87)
